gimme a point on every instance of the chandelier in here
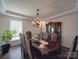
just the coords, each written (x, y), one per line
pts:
(37, 22)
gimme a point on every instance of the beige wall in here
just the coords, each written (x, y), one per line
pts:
(69, 27)
(4, 24)
(28, 26)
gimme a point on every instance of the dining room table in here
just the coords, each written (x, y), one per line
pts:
(42, 45)
(49, 49)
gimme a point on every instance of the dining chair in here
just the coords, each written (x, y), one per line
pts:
(23, 46)
(45, 36)
(33, 52)
(28, 46)
(73, 54)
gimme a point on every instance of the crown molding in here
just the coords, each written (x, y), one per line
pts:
(12, 13)
(13, 17)
(18, 15)
(62, 14)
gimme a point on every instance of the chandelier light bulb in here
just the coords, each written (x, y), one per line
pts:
(37, 22)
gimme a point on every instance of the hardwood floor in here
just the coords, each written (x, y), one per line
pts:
(14, 53)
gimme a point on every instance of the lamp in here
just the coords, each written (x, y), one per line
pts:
(37, 22)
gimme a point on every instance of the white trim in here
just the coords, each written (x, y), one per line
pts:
(62, 14)
(18, 15)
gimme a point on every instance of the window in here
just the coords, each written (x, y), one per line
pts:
(17, 26)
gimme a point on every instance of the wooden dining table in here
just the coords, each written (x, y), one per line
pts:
(42, 46)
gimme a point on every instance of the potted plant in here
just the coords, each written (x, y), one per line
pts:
(6, 37)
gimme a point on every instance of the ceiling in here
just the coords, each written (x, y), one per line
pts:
(27, 8)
